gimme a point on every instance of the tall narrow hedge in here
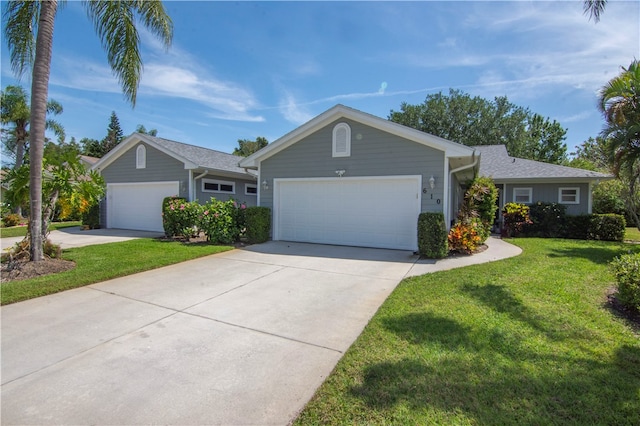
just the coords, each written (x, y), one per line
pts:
(258, 221)
(432, 236)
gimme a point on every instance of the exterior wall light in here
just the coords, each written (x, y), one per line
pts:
(265, 184)
(432, 182)
(340, 173)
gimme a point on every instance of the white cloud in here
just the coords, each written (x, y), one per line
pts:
(173, 74)
(294, 112)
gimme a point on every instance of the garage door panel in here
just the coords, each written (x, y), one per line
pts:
(138, 205)
(370, 212)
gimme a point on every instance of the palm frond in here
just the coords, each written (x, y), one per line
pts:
(115, 23)
(21, 23)
(594, 8)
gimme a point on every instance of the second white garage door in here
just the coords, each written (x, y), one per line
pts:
(369, 212)
(138, 205)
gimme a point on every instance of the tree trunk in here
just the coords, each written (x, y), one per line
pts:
(39, 95)
(47, 214)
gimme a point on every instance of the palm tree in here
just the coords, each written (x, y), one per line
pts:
(115, 23)
(594, 8)
(15, 112)
(620, 104)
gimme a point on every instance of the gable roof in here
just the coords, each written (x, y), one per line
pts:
(495, 162)
(193, 157)
(451, 149)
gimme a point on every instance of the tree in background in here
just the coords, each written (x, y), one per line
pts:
(114, 134)
(65, 179)
(475, 121)
(143, 130)
(28, 27)
(619, 102)
(246, 147)
(15, 115)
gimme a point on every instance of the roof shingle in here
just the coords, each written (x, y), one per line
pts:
(496, 163)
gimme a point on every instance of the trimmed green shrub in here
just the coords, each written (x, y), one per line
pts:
(516, 218)
(626, 269)
(547, 220)
(607, 227)
(170, 218)
(432, 236)
(577, 227)
(258, 224)
(91, 217)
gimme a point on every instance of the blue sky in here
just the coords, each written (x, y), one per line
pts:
(238, 70)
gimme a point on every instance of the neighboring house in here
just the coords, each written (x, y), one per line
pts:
(527, 181)
(142, 170)
(87, 161)
(350, 178)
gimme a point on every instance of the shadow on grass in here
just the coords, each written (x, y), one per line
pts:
(489, 384)
(600, 255)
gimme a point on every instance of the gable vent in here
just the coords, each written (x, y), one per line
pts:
(341, 140)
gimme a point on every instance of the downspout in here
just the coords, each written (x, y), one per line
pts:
(200, 176)
(451, 172)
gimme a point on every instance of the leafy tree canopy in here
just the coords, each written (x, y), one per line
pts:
(475, 121)
(15, 115)
(143, 130)
(592, 154)
(246, 147)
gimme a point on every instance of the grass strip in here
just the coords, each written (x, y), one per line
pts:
(21, 231)
(102, 262)
(527, 340)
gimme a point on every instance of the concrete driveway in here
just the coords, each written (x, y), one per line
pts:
(242, 337)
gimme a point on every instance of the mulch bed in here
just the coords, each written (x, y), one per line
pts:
(631, 317)
(24, 269)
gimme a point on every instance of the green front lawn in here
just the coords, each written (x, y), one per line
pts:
(632, 234)
(106, 261)
(21, 231)
(528, 340)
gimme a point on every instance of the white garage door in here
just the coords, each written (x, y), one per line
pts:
(369, 212)
(138, 205)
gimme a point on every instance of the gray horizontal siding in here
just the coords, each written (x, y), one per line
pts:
(373, 153)
(249, 200)
(548, 193)
(160, 168)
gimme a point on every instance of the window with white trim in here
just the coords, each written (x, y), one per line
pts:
(523, 195)
(220, 186)
(341, 140)
(141, 157)
(250, 189)
(569, 195)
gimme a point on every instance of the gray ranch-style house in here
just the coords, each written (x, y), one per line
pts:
(142, 170)
(345, 177)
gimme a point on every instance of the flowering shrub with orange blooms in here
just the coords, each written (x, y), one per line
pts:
(464, 237)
